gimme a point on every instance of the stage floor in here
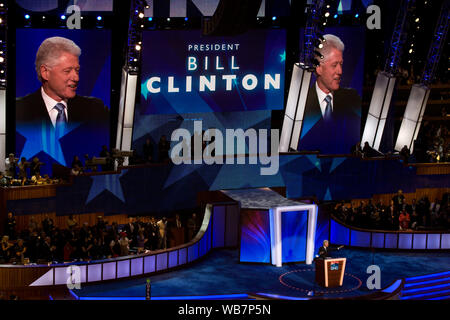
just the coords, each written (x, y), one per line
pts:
(221, 273)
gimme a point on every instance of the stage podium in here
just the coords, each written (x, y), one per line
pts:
(330, 272)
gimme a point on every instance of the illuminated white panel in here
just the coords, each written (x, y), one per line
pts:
(370, 129)
(286, 133)
(126, 139)
(62, 275)
(137, 266)
(109, 270)
(405, 134)
(379, 134)
(161, 261)
(405, 241)
(149, 264)
(2, 111)
(296, 134)
(83, 273)
(149, 12)
(94, 5)
(182, 258)
(123, 268)
(391, 241)
(378, 110)
(445, 242)
(415, 108)
(2, 151)
(295, 107)
(94, 272)
(206, 7)
(415, 100)
(178, 8)
(262, 9)
(433, 241)
(44, 280)
(173, 259)
(420, 241)
(130, 96)
(121, 109)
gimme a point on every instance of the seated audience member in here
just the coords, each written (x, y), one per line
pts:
(404, 220)
(23, 165)
(71, 222)
(4, 182)
(404, 153)
(10, 226)
(162, 226)
(76, 170)
(6, 248)
(414, 220)
(141, 241)
(11, 163)
(20, 251)
(356, 149)
(35, 166)
(163, 149)
(76, 162)
(147, 151)
(37, 179)
(124, 243)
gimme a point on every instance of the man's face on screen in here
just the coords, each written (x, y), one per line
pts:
(330, 71)
(61, 79)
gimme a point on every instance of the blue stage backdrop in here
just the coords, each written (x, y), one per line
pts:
(344, 130)
(255, 236)
(36, 138)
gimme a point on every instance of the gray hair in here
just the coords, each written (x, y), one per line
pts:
(325, 241)
(331, 41)
(51, 49)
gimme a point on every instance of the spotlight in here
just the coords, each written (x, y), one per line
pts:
(63, 17)
(43, 17)
(274, 18)
(335, 16)
(410, 50)
(141, 15)
(357, 15)
(2, 59)
(417, 19)
(99, 18)
(327, 14)
(27, 16)
(168, 19)
(186, 19)
(150, 19)
(138, 47)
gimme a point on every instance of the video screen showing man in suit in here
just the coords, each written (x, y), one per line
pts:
(54, 122)
(331, 122)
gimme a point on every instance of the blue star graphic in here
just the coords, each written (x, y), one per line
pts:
(110, 182)
(41, 137)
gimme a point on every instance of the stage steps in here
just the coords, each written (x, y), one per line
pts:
(434, 286)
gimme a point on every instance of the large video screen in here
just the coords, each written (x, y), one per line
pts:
(338, 135)
(86, 128)
(223, 82)
(185, 72)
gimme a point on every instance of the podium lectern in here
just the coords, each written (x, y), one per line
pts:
(330, 272)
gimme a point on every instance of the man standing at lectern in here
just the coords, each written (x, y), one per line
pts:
(331, 121)
(324, 250)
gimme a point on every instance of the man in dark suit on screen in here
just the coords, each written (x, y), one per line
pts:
(331, 121)
(54, 114)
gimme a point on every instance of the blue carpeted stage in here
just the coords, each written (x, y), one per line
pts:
(220, 273)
